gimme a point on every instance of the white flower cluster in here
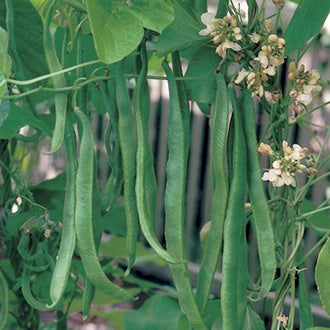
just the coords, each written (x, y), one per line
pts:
(303, 84)
(270, 56)
(225, 32)
(286, 165)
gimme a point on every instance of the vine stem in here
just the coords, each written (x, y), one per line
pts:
(50, 75)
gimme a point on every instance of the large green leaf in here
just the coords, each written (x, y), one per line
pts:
(20, 117)
(203, 66)
(305, 23)
(182, 33)
(116, 34)
(118, 28)
(26, 43)
(322, 272)
(154, 14)
(319, 221)
(158, 312)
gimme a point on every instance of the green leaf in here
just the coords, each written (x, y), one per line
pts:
(116, 33)
(114, 221)
(158, 312)
(318, 328)
(20, 117)
(310, 15)
(319, 221)
(253, 320)
(322, 272)
(26, 43)
(154, 14)
(202, 65)
(116, 248)
(183, 32)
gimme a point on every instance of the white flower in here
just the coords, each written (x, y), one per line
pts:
(298, 152)
(288, 179)
(208, 19)
(273, 177)
(262, 59)
(240, 77)
(304, 98)
(221, 50)
(255, 37)
(270, 70)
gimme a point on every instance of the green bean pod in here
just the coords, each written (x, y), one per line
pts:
(128, 154)
(242, 280)
(89, 290)
(83, 216)
(233, 224)
(68, 239)
(175, 204)
(3, 300)
(219, 128)
(28, 296)
(58, 80)
(260, 208)
(114, 183)
(145, 183)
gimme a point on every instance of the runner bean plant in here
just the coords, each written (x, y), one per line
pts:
(78, 242)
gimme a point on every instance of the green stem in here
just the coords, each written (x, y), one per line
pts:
(50, 75)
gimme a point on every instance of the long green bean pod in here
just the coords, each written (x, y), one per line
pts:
(3, 300)
(233, 223)
(83, 216)
(260, 208)
(128, 154)
(58, 80)
(114, 183)
(145, 187)
(175, 204)
(219, 128)
(68, 239)
(89, 290)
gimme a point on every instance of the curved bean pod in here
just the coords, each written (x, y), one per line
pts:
(143, 161)
(128, 154)
(219, 128)
(83, 216)
(68, 239)
(175, 202)
(261, 212)
(58, 80)
(233, 223)
(114, 183)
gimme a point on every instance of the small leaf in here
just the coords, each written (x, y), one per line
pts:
(310, 15)
(182, 33)
(20, 117)
(319, 221)
(154, 14)
(158, 312)
(202, 90)
(322, 272)
(253, 320)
